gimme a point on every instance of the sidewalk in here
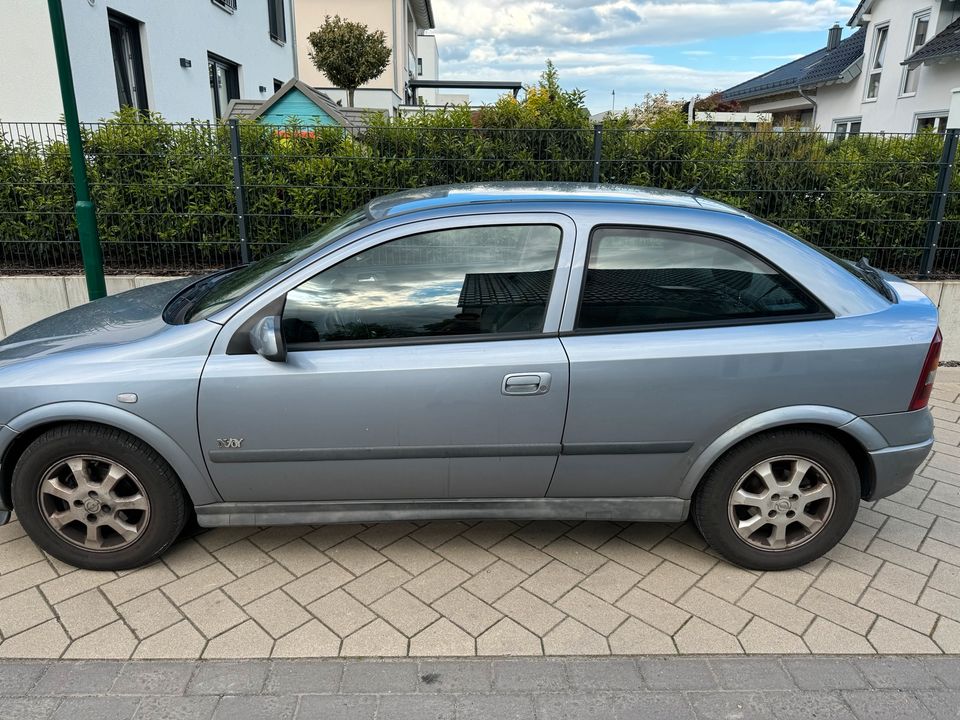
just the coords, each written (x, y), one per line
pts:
(789, 688)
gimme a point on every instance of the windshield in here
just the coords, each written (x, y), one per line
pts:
(224, 288)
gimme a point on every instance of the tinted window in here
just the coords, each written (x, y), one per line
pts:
(468, 281)
(641, 277)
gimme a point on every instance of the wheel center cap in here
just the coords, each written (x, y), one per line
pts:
(92, 506)
(783, 505)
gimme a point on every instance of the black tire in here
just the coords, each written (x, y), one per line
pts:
(711, 511)
(165, 496)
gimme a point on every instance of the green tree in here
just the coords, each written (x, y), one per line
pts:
(348, 53)
(544, 105)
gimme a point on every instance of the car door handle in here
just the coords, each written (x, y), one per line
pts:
(526, 384)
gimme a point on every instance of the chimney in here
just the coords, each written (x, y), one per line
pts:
(834, 35)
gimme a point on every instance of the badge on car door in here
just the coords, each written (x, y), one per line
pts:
(225, 443)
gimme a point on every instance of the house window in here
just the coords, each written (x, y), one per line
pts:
(278, 26)
(224, 83)
(419, 67)
(876, 63)
(228, 5)
(937, 122)
(127, 61)
(846, 128)
(911, 75)
(411, 31)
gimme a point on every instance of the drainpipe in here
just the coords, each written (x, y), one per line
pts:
(397, 70)
(293, 35)
(810, 100)
(86, 214)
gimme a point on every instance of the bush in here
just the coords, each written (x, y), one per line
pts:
(165, 198)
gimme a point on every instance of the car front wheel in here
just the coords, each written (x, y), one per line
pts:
(779, 500)
(97, 498)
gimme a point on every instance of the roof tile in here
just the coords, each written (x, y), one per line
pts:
(817, 68)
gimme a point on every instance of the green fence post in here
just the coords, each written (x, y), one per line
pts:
(85, 212)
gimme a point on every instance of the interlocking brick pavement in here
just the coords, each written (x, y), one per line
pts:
(502, 588)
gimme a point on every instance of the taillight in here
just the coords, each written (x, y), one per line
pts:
(921, 396)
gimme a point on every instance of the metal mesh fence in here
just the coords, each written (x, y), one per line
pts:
(167, 202)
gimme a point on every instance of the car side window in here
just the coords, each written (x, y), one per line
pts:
(492, 280)
(646, 277)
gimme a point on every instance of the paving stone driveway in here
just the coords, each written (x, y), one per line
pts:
(503, 588)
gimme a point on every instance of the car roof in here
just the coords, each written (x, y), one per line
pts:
(445, 196)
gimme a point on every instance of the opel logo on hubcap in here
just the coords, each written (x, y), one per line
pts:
(92, 506)
(783, 505)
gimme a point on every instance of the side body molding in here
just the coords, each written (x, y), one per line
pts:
(859, 429)
(195, 479)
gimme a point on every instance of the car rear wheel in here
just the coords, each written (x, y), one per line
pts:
(778, 500)
(97, 498)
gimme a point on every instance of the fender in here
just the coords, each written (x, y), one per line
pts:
(859, 429)
(194, 478)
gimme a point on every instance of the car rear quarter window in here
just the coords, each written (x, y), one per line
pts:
(482, 281)
(639, 277)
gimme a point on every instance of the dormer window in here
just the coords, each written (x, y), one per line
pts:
(918, 38)
(876, 62)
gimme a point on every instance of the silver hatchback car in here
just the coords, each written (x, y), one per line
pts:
(487, 351)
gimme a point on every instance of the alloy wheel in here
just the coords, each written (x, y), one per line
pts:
(781, 503)
(94, 503)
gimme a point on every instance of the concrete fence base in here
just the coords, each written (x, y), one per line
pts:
(24, 299)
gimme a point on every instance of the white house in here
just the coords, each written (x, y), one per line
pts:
(404, 23)
(185, 59)
(893, 74)
(428, 68)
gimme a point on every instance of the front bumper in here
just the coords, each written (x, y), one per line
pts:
(893, 467)
(7, 435)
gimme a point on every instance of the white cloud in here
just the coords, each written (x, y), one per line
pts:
(607, 44)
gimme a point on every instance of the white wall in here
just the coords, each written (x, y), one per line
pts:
(367, 98)
(390, 16)
(890, 112)
(170, 30)
(375, 14)
(29, 89)
(430, 62)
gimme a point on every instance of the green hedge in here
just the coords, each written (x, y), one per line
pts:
(165, 198)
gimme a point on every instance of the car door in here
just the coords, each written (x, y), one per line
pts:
(423, 362)
(673, 338)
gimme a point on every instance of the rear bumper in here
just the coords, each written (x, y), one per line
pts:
(893, 467)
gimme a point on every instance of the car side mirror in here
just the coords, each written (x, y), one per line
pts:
(266, 338)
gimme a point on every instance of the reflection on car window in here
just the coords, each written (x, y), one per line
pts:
(637, 277)
(465, 281)
(238, 283)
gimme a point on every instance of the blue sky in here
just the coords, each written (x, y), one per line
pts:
(687, 47)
